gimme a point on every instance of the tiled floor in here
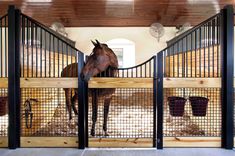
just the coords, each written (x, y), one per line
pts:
(117, 152)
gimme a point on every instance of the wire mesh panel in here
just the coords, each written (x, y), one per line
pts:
(182, 118)
(3, 112)
(130, 114)
(43, 113)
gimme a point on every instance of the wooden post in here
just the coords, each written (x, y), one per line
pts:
(227, 63)
(14, 77)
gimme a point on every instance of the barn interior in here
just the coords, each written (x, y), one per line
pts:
(136, 30)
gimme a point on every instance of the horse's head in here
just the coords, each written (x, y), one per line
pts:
(99, 60)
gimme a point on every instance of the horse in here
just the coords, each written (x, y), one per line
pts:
(102, 62)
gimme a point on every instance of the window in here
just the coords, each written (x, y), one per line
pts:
(125, 51)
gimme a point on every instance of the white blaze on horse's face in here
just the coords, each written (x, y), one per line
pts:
(97, 62)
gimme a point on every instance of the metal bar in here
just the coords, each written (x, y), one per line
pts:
(200, 52)
(23, 44)
(14, 77)
(40, 52)
(158, 90)
(1, 56)
(227, 93)
(32, 38)
(204, 63)
(27, 40)
(208, 47)
(82, 119)
(154, 101)
(195, 49)
(6, 67)
(213, 50)
(36, 38)
(217, 36)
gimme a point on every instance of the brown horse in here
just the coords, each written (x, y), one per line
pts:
(101, 62)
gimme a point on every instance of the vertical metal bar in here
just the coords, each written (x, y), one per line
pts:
(58, 54)
(213, 50)
(40, 52)
(208, 47)
(27, 40)
(14, 77)
(36, 46)
(178, 59)
(187, 56)
(204, 44)
(217, 36)
(200, 52)
(1, 56)
(227, 63)
(191, 60)
(32, 38)
(174, 60)
(50, 55)
(23, 44)
(45, 52)
(158, 91)
(82, 103)
(6, 66)
(195, 49)
(53, 46)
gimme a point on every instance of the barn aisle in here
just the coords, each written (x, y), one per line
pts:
(116, 152)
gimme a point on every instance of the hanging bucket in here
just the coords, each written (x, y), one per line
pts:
(3, 106)
(199, 105)
(176, 105)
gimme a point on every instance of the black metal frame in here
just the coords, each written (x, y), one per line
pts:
(227, 62)
(14, 77)
(159, 94)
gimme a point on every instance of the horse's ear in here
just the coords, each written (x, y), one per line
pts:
(98, 43)
(93, 43)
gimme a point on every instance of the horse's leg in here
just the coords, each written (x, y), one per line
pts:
(73, 101)
(68, 101)
(94, 111)
(106, 112)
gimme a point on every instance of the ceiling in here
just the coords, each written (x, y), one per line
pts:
(119, 13)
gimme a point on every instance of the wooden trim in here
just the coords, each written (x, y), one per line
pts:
(121, 143)
(121, 83)
(4, 141)
(3, 82)
(48, 82)
(192, 83)
(49, 141)
(192, 142)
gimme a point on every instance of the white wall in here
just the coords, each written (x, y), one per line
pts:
(146, 45)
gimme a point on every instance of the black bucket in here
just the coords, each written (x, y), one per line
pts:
(176, 105)
(199, 105)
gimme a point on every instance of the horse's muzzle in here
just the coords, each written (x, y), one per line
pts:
(85, 77)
